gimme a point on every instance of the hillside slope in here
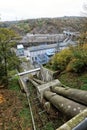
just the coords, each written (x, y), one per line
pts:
(46, 25)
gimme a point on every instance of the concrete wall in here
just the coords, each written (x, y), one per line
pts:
(46, 74)
(46, 86)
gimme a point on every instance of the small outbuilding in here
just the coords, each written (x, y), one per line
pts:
(20, 50)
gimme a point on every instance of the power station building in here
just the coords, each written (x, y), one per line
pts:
(41, 54)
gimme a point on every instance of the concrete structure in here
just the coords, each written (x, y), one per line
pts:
(46, 86)
(42, 53)
(20, 50)
(82, 125)
(41, 38)
(75, 121)
(32, 39)
(69, 33)
(46, 75)
(69, 107)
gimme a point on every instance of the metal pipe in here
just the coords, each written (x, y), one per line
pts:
(82, 125)
(68, 107)
(38, 81)
(72, 123)
(27, 72)
(71, 93)
(33, 82)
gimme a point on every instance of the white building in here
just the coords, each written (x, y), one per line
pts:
(20, 50)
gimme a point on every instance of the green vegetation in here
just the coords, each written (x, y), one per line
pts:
(74, 80)
(15, 100)
(60, 60)
(72, 65)
(48, 126)
(24, 113)
(46, 25)
(14, 85)
(8, 59)
(73, 59)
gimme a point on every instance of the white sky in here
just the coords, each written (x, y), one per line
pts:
(26, 9)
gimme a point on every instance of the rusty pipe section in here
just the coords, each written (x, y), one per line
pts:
(68, 107)
(75, 94)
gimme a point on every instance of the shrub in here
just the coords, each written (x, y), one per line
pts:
(71, 59)
(60, 60)
(75, 65)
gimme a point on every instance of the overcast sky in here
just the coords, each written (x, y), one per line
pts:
(26, 9)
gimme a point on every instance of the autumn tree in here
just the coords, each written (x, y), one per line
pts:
(7, 38)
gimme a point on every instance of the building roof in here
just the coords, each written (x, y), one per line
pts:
(50, 52)
(41, 47)
(20, 46)
(42, 59)
(41, 38)
(51, 46)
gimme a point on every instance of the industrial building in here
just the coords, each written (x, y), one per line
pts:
(41, 54)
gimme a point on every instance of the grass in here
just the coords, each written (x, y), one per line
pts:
(24, 113)
(74, 81)
(14, 85)
(12, 72)
(48, 126)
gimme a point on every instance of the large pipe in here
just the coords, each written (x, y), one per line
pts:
(27, 72)
(75, 94)
(76, 123)
(33, 82)
(82, 125)
(38, 81)
(68, 107)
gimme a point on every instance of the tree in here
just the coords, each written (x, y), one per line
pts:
(7, 38)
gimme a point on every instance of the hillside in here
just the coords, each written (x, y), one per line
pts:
(14, 110)
(74, 80)
(46, 25)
